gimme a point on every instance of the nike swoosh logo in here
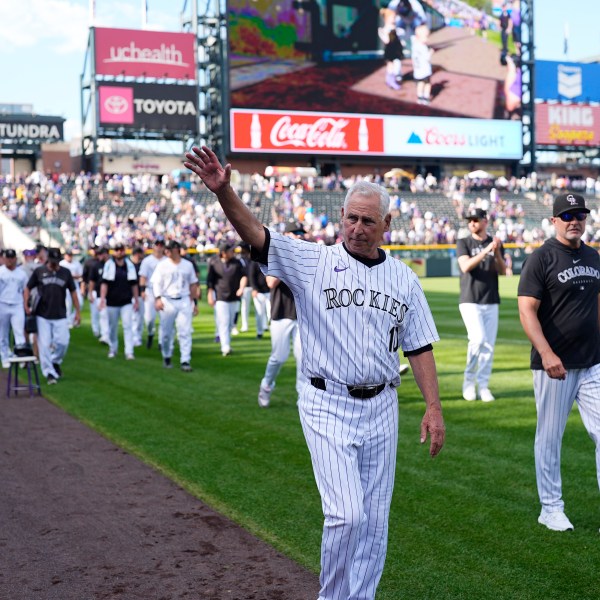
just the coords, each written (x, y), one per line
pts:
(576, 261)
(339, 269)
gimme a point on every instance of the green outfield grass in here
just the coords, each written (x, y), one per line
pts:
(462, 526)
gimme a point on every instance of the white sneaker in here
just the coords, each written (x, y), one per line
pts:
(111, 355)
(404, 369)
(557, 521)
(129, 357)
(235, 331)
(264, 395)
(486, 395)
(469, 392)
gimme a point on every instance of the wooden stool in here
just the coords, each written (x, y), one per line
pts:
(30, 363)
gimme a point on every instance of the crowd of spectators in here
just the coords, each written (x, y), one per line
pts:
(94, 210)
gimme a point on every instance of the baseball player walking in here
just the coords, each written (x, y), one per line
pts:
(226, 279)
(175, 290)
(76, 269)
(284, 329)
(53, 282)
(13, 280)
(137, 318)
(119, 298)
(481, 260)
(349, 408)
(558, 307)
(99, 318)
(146, 270)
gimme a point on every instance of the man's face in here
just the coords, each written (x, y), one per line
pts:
(159, 250)
(10, 262)
(362, 225)
(478, 226)
(569, 231)
(119, 253)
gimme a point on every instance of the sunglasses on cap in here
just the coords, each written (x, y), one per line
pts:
(567, 217)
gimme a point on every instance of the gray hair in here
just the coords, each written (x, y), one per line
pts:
(368, 189)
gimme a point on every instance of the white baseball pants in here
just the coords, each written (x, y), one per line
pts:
(69, 305)
(177, 314)
(125, 313)
(137, 322)
(245, 301)
(262, 308)
(11, 316)
(554, 399)
(95, 315)
(53, 340)
(225, 317)
(282, 332)
(150, 314)
(353, 445)
(481, 321)
(103, 324)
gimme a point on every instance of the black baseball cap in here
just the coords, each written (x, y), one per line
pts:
(10, 253)
(54, 254)
(225, 246)
(295, 227)
(119, 246)
(569, 203)
(172, 244)
(159, 241)
(476, 213)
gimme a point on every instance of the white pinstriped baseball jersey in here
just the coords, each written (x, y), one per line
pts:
(334, 294)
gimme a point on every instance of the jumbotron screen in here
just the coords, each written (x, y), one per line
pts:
(405, 78)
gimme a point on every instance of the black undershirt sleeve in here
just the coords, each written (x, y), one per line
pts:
(262, 256)
(418, 350)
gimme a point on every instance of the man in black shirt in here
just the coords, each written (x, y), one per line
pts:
(52, 282)
(225, 280)
(481, 260)
(558, 307)
(118, 288)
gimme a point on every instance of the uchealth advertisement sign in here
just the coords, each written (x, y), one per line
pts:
(135, 53)
(386, 135)
(567, 124)
(150, 106)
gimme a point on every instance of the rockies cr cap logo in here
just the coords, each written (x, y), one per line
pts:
(571, 200)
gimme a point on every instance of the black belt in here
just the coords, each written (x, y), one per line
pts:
(176, 298)
(364, 392)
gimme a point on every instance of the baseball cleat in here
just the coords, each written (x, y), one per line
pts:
(468, 392)
(129, 357)
(556, 521)
(235, 331)
(264, 395)
(111, 355)
(227, 352)
(57, 369)
(149, 341)
(167, 363)
(486, 395)
(186, 367)
(51, 380)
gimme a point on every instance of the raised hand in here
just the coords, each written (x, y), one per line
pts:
(206, 165)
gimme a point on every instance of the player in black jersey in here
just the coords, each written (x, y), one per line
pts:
(558, 306)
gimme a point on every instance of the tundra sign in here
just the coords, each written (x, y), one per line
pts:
(148, 106)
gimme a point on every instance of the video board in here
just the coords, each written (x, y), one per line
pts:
(369, 77)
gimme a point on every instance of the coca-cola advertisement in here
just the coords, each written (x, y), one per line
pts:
(148, 106)
(134, 53)
(375, 58)
(306, 133)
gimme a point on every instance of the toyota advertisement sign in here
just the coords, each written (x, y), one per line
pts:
(134, 53)
(149, 107)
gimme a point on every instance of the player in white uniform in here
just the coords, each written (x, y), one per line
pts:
(175, 290)
(146, 270)
(13, 280)
(356, 308)
(76, 269)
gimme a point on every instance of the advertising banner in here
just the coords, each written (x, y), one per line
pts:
(149, 106)
(382, 65)
(134, 53)
(27, 130)
(567, 124)
(576, 82)
(369, 135)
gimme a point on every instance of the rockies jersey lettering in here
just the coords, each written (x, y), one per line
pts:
(572, 272)
(344, 298)
(388, 307)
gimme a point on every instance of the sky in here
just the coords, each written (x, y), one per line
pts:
(43, 43)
